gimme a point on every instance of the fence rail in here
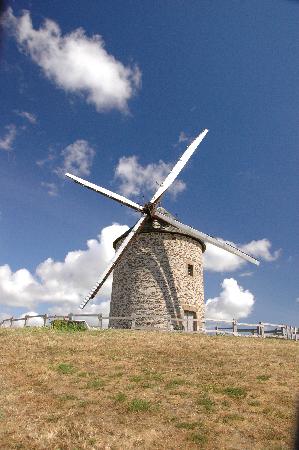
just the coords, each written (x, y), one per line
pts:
(235, 328)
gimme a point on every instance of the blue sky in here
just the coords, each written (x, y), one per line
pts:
(120, 109)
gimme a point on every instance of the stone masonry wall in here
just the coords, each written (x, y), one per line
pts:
(152, 282)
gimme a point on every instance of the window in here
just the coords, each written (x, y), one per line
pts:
(190, 270)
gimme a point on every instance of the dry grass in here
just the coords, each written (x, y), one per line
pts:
(123, 389)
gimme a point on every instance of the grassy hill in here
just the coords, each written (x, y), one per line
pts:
(131, 389)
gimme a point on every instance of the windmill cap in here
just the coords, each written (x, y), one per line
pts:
(159, 226)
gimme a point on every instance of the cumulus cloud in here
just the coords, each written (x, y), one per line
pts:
(4, 316)
(218, 260)
(136, 179)
(76, 63)
(7, 140)
(261, 249)
(77, 159)
(27, 115)
(62, 284)
(52, 188)
(232, 302)
(16, 288)
(31, 322)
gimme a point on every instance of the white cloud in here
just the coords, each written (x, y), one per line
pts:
(27, 115)
(76, 63)
(183, 137)
(232, 302)
(77, 159)
(7, 140)
(261, 249)
(62, 283)
(32, 322)
(297, 299)
(16, 288)
(136, 179)
(4, 316)
(51, 188)
(218, 260)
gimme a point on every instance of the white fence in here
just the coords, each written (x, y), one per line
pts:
(208, 326)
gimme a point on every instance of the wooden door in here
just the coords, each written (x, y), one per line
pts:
(189, 324)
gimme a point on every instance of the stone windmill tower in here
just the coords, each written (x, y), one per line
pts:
(160, 278)
(158, 274)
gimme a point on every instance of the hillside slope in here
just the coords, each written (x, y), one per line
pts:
(132, 389)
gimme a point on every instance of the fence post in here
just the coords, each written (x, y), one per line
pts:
(25, 320)
(45, 319)
(70, 316)
(216, 328)
(261, 331)
(235, 327)
(11, 321)
(133, 321)
(100, 317)
(283, 331)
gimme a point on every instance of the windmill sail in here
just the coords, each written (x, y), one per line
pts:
(113, 262)
(105, 192)
(205, 237)
(178, 167)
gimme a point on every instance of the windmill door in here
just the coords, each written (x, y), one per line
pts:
(189, 323)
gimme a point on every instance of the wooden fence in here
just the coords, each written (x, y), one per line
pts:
(208, 326)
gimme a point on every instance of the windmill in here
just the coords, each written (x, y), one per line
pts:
(158, 262)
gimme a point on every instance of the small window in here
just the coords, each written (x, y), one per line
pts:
(190, 270)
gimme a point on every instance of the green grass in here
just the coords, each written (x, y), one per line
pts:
(66, 368)
(186, 425)
(120, 397)
(136, 378)
(139, 405)
(175, 383)
(198, 438)
(68, 325)
(67, 397)
(235, 392)
(230, 418)
(95, 384)
(206, 402)
(263, 377)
